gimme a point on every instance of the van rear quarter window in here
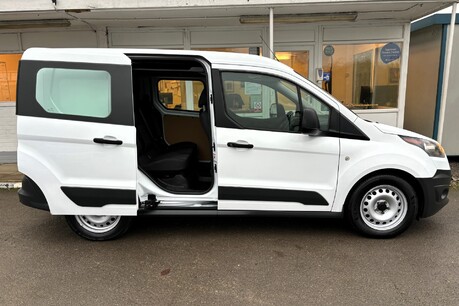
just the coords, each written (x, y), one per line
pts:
(74, 91)
(88, 92)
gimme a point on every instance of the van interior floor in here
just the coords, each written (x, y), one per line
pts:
(193, 182)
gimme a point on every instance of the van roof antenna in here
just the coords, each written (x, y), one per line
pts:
(271, 51)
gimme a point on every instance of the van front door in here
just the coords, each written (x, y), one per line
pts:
(265, 162)
(76, 134)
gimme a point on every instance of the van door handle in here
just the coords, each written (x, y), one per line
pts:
(108, 141)
(240, 145)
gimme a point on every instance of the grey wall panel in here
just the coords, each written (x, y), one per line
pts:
(9, 42)
(221, 37)
(451, 127)
(60, 39)
(139, 39)
(362, 33)
(421, 91)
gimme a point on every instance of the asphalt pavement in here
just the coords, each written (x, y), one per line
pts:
(226, 261)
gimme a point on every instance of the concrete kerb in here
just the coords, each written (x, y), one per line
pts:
(10, 177)
(10, 185)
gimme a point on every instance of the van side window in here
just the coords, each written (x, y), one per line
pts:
(322, 110)
(76, 92)
(261, 102)
(180, 94)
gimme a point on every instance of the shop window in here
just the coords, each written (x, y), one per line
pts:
(8, 76)
(363, 76)
(77, 92)
(261, 102)
(297, 60)
(180, 94)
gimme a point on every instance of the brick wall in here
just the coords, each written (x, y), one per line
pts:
(8, 139)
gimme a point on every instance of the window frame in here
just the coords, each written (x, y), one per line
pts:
(122, 106)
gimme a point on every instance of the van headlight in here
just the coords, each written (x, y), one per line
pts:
(432, 148)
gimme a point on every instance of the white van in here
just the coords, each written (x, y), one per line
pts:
(107, 134)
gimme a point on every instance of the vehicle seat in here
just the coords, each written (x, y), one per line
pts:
(154, 155)
(234, 101)
(281, 120)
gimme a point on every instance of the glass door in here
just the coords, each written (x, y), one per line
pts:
(298, 58)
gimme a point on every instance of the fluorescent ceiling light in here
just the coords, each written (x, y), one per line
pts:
(299, 18)
(27, 24)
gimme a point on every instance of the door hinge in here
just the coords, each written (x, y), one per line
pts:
(211, 99)
(215, 168)
(151, 203)
(213, 146)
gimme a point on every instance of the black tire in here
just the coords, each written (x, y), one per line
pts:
(382, 206)
(99, 228)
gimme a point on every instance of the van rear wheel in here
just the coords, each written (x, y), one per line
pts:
(383, 206)
(94, 227)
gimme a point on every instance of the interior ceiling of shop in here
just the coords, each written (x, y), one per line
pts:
(368, 11)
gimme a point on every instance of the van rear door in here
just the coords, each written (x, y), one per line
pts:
(76, 134)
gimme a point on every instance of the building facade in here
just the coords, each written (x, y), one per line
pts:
(426, 69)
(356, 50)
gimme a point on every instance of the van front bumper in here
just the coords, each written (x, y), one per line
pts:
(435, 192)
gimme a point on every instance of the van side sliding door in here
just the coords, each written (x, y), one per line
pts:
(76, 134)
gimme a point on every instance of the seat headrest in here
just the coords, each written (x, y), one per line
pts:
(234, 100)
(202, 99)
(280, 110)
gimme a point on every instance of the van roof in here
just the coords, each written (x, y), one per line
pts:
(118, 56)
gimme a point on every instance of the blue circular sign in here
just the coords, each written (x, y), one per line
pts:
(329, 50)
(390, 53)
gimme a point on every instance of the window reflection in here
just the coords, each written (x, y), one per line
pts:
(298, 60)
(180, 94)
(363, 76)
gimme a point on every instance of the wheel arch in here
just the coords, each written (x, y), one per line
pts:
(410, 179)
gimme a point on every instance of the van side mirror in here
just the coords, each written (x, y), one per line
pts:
(310, 122)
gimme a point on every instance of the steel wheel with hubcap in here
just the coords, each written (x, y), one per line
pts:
(382, 206)
(94, 227)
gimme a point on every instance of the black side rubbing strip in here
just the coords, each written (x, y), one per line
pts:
(98, 197)
(271, 195)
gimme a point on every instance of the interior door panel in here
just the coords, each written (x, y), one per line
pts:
(181, 128)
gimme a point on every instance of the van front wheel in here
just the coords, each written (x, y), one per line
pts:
(383, 206)
(99, 228)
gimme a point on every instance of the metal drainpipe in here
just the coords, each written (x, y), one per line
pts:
(271, 32)
(444, 91)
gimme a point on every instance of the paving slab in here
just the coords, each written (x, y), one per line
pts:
(9, 173)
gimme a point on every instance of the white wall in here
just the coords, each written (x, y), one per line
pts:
(8, 141)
